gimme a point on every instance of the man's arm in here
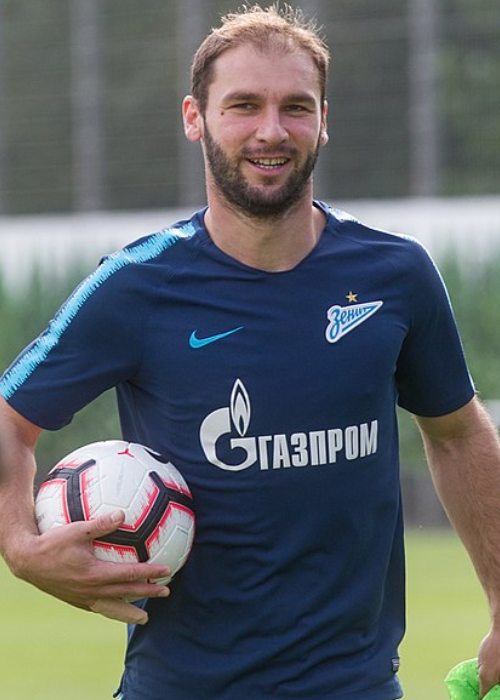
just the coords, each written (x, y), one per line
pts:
(463, 453)
(61, 561)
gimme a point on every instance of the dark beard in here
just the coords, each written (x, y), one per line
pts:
(252, 201)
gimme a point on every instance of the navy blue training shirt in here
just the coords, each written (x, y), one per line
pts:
(275, 396)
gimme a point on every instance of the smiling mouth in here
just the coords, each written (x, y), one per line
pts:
(269, 163)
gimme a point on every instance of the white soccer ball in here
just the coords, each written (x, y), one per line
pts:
(105, 476)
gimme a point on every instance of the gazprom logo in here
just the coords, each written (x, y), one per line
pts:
(231, 420)
(344, 319)
(228, 427)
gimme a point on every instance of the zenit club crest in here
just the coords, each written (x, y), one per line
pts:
(344, 319)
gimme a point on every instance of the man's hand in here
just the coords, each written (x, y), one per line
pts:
(489, 662)
(62, 562)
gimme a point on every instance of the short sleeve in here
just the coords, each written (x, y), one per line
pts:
(92, 343)
(432, 375)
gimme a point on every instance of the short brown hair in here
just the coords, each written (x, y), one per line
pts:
(276, 27)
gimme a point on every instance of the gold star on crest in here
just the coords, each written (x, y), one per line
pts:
(351, 297)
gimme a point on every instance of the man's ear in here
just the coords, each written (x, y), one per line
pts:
(192, 119)
(323, 134)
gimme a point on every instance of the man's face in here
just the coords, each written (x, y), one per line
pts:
(262, 129)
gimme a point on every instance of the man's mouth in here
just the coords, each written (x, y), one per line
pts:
(268, 163)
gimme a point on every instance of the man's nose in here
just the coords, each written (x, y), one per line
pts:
(271, 128)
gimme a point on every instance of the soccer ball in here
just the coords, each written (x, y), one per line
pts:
(105, 476)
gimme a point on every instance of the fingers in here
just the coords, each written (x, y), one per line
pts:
(103, 525)
(120, 610)
(485, 684)
(107, 572)
(136, 591)
(130, 581)
(69, 569)
(486, 681)
(489, 662)
(113, 573)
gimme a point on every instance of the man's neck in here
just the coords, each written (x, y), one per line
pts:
(273, 245)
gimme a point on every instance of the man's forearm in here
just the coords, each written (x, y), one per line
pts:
(465, 465)
(17, 472)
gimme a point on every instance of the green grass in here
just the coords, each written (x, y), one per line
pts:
(49, 651)
(447, 613)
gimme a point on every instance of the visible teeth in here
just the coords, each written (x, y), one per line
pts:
(268, 162)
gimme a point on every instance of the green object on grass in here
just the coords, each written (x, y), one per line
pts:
(462, 683)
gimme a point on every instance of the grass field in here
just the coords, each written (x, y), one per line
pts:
(447, 613)
(49, 651)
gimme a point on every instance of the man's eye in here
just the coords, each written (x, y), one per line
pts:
(244, 106)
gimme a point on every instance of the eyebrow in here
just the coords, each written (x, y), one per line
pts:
(241, 96)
